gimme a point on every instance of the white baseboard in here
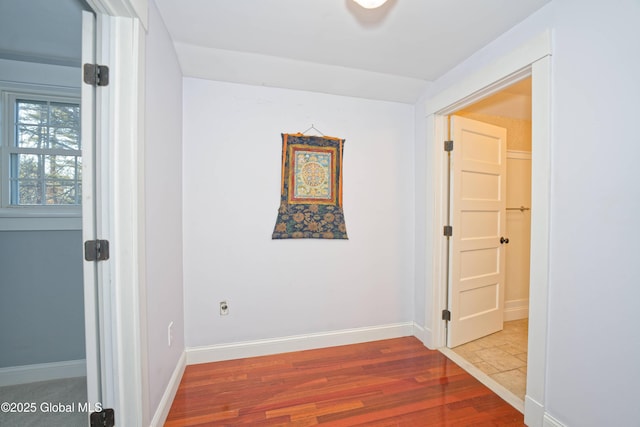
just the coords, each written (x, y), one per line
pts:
(516, 309)
(424, 335)
(162, 411)
(42, 372)
(549, 421)
(239, 350)
(533, 411)
(535, 415)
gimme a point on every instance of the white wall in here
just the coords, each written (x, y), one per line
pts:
(595, 197)
(595, 203)
(163, 198)
(278, 288)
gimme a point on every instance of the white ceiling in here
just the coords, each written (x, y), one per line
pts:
(331, 46)
(334, 45)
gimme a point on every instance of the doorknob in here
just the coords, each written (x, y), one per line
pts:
(503, 240)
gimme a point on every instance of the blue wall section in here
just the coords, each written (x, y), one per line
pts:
(41, 297)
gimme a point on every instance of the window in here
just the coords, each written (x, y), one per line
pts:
(40, 155)
(44, 152)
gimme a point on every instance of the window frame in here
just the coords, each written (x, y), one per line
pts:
(31, 217)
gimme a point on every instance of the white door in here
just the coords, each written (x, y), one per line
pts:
(477, 215)
(91, 294)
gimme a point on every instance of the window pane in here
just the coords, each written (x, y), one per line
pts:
(65, 115)
(26, 166)
(30, 192)
(29, 136)
(61, 167)
(38, 179)
(61, 192)
(26, 179)
(32, 112)
(47, 125)
(64, 138)
(62, 174)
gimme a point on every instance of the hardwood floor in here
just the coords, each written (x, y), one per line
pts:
(396, 382)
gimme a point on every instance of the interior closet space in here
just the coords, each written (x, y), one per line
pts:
(502, 356)
(511, 109)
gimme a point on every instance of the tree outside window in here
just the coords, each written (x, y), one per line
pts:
(45, 154)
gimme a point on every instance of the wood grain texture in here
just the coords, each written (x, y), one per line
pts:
(396, 382)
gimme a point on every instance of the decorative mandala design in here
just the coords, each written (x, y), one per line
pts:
(313, 174)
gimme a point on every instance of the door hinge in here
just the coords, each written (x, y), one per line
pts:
(104, 418)
(446, 315)
(96, 75)
(448, 230)
(448, 146)
(96, 250)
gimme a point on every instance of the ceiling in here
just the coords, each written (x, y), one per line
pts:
(332, 46)
(335, 46)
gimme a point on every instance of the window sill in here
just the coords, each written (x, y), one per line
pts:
(40, 218)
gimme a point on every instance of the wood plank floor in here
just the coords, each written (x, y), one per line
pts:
(396, 382)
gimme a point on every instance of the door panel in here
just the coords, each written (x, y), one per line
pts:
(477, 258)
(479, 224)
(478, 299)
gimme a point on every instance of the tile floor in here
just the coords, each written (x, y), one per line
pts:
(502, 356)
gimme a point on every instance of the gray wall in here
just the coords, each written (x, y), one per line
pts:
(41, 297)
(41, 294)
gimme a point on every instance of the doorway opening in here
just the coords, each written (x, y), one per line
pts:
(45, 157)
(532, 58)
(501, 267)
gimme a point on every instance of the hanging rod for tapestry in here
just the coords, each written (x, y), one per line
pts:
(314, 128)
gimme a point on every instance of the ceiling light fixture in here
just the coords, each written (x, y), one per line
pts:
(370, 4)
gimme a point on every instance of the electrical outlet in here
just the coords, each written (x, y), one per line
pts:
(170, 334)
(224, 308)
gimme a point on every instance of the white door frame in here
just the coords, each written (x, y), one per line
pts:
(532, 59)
(120, 208)
(93, 332)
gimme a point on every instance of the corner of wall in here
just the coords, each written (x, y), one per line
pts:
(424, 335)
(162, 411)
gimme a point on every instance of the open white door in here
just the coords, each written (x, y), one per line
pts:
(91, 295)
(477, 203)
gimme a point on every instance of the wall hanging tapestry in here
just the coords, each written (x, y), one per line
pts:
(311, 195)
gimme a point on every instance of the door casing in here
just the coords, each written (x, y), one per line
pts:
(531, 59)
(120, 208)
